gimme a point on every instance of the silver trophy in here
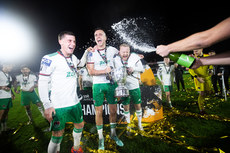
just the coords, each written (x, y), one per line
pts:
(120, 77)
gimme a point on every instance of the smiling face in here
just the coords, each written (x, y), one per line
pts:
(25, 71)
(68, 44)
(124, 52)
(198, 52)
(100, 38)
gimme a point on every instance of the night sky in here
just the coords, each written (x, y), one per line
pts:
(170, 21)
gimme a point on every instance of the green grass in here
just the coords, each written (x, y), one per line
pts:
(181, 130)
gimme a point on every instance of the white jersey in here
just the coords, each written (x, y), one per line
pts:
(99, 64)
(5, 80)
(167, 73)
(58, 74)
(132, 81)
(26, 82)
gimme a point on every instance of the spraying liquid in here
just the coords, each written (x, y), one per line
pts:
(130, 32)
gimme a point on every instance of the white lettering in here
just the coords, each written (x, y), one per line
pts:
(83, 109)
(118, 111)
(88, 110)
(121, 109)
(93, 109)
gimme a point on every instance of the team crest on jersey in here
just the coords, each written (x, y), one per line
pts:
(56, 124)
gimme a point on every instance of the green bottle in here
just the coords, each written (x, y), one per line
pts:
(182, 59)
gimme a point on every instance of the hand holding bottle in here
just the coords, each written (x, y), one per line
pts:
(162, 50)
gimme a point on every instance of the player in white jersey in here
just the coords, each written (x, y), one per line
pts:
(60, 71)
(165, 74)
(131, 61)
(6, 95)
(99, 65)
(27, 83)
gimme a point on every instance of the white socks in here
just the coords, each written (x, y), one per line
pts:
(100, 131)
(77, 137)
(41, 110)
(127, 116)
(54, 145)
(113, 129)
(139, 117)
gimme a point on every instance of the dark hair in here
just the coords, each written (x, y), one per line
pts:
(99, 28)
(24, 66)
(63, 33)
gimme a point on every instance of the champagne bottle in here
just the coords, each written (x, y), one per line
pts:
(182, 59)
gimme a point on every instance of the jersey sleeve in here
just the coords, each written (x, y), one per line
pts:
(46, 67)
(34, 78)
(90, 58)
(138, 67)
(43, 81)
(83, 60)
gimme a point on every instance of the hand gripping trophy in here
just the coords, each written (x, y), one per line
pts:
(120, 77)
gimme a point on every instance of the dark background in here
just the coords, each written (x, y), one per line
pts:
(171, 21)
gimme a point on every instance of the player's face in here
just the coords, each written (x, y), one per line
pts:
(124, 53)
(68, 44)
(25, 71)
(7, 68)
(197, 52)
(166, 60)
(100, 37)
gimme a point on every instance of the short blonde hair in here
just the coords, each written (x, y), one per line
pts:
(124, 45)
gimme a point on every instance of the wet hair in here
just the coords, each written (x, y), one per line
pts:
(99, 28)
(63, 33)
(124, 45)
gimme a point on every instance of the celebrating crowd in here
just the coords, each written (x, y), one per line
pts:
(59, 101)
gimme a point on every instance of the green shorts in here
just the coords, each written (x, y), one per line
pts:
(6, 103)
(68, 114)
(135, 95)
(168, 88)
(102, 91)
(27, 97)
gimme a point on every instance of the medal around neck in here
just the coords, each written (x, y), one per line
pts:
(121, 90)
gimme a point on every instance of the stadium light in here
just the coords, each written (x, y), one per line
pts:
(18, 40)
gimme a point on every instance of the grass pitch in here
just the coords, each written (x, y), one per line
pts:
(181, 130)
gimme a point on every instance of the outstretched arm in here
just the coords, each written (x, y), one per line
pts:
(94, 72)
(83, 59)
(198, 40)
(219, 59)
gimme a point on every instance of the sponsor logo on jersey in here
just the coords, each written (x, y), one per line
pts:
(46, 62)
(70, 74)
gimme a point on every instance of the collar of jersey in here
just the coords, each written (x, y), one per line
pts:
(101, 49)
(59, 52)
